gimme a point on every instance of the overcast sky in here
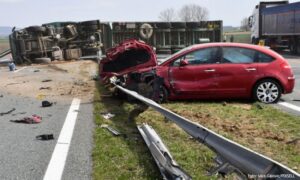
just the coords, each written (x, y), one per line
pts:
(22, 13)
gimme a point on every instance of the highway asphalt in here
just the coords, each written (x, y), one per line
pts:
(292, 99)
(24, 157)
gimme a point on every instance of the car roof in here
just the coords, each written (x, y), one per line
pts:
(264, 49)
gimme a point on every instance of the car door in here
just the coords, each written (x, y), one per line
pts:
(197, 76)
(238, 72)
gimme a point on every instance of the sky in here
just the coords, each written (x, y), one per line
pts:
(23, 13)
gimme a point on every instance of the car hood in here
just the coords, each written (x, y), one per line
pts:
(128, 56)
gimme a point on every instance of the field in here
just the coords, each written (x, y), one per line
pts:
(3, 44)
(254, 125)
(240, 37)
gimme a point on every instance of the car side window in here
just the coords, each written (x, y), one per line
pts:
(238, 55)
(262, 57)
(202, 56)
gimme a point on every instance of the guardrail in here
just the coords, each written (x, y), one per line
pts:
(231, 156)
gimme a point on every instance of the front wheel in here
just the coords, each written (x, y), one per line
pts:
(267, 91)
(163, 95)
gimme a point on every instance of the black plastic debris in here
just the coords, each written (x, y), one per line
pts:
(45, 137)
(8, 112)
(47, 80)
(48, 88)
(1, 96)
(46, 104)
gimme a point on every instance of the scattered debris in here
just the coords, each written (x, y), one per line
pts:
(47, 80)
(45, 137)
(46, 104)
(295, 141)
(95, 77)
(112, 130)
(48, 88)
(18, 113)
(34, 119)
(107, 116)
(8, 112)
(224, 103)
(1, 96)
(37, 70)
(167, 165)
(80, 83)
(12, 66)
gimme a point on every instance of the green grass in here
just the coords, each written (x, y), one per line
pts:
(265, 130)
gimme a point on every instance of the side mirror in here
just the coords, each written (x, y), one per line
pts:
(184, 62)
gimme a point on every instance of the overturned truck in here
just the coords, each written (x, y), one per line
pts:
(56, 41)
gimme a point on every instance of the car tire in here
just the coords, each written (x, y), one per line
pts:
(267, 91)
(163, 95)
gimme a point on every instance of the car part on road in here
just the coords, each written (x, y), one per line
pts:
(231, 156)
(8, 112)
(45, 137)
(47, 80)
(112, 130)
(46, 104)
(107, 115)
(168, 167)
(34, 119)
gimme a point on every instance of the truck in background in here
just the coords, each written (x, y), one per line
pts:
(277, 24)
(90, 39)
(56, 41)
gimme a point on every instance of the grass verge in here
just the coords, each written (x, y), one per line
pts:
(261, 128)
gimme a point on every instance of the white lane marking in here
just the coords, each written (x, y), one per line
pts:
(290, 106)
(57, 163)
(20, 69)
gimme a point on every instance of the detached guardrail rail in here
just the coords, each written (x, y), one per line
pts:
(168, 167)
(231, 156)
(4, 53)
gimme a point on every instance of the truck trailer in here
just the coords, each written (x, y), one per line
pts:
(277, 24)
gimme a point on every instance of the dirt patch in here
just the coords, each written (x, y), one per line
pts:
(65, 80)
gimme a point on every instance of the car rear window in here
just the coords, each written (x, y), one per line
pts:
(262, 57)
(238, 55)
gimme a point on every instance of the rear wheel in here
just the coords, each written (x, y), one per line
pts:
(267, 91)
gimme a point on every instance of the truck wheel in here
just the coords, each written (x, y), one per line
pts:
(36, 29)
(267, 91)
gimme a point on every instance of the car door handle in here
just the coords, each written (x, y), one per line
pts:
(209, 70)
(250, 69)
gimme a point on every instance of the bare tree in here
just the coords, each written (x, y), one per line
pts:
(193, 12)
(167, 15)
(244, 24)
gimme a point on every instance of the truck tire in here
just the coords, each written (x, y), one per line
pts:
(90, 23)
(36, 29)
(193, 24)
(42, 60)
(163, 25)
(178, 25)
(146, 31)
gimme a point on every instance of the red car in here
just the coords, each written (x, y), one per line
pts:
(203, 71)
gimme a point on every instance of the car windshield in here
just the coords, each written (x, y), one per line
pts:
(175, 54)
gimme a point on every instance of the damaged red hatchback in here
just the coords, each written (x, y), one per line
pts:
(203, 71)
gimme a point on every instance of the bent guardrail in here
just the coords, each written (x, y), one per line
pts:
(231, 156)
